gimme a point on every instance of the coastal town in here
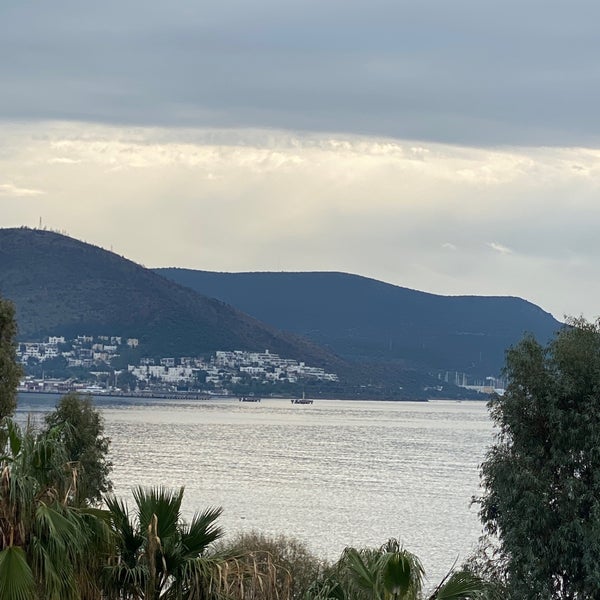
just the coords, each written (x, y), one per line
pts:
(99, 365)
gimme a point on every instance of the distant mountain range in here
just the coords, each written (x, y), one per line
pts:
(364, 320)
(382, 340)
(61, 286)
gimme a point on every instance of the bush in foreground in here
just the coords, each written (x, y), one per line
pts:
(294, 566)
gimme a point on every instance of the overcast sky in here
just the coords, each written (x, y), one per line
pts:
(452, 147)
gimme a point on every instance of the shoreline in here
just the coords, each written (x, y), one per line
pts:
(115, 394)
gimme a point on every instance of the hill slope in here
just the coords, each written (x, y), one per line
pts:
(366, 320)
(62, 286)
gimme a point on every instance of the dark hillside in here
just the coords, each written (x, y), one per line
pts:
(363, 319)
(62, 286)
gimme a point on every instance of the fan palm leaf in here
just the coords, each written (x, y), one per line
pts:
(162, 504)
(461, 585)
(128, 539)
(16, 578)
(401, 574)
(361, 568)
(201, 532)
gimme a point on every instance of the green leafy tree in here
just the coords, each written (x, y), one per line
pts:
(10, 370)
(542, 476)
(81, 428)
(127, 381)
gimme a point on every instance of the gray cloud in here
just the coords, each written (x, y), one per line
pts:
(462, 72)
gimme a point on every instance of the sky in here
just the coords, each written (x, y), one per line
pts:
(450, 147)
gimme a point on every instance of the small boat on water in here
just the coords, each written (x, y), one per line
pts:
(249, 399)
(303, 400)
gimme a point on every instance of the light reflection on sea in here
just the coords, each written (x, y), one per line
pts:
(333, 473)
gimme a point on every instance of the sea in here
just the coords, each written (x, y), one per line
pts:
(332, 474)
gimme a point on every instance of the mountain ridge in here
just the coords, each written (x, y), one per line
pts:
(361, 318)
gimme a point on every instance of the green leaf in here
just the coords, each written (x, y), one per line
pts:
(64, 530)
(16, 578)
(362, 575)
(396, 574)
(201, 532)
(14, 438)
(461, 585)
(162, 502)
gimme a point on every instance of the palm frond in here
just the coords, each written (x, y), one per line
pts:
(401, 571)
(128, 540)
(201, 532)
(123, 579)
(161, 502)
(360, 567)
(65, 530)
(325, 589)
(461, 585)
(43, 564)
(15, 438)
(118, 513)
(16, 579)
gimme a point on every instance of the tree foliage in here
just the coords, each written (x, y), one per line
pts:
(81, 428)
(48, 548)
(542, 476)
(10, 371)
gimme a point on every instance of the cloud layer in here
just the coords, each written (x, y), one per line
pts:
(465, 72)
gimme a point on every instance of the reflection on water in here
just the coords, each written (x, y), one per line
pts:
(333, 473)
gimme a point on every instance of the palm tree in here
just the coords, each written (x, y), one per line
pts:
(159, 556)
(45, 542)
(386, 573)
(389, 573)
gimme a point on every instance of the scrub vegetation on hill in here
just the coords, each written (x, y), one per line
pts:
(364, 320)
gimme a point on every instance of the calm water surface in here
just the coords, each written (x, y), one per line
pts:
(333, 473)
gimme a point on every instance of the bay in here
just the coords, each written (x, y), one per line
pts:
(333, 473)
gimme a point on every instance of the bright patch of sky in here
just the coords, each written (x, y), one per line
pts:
(448, 147)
